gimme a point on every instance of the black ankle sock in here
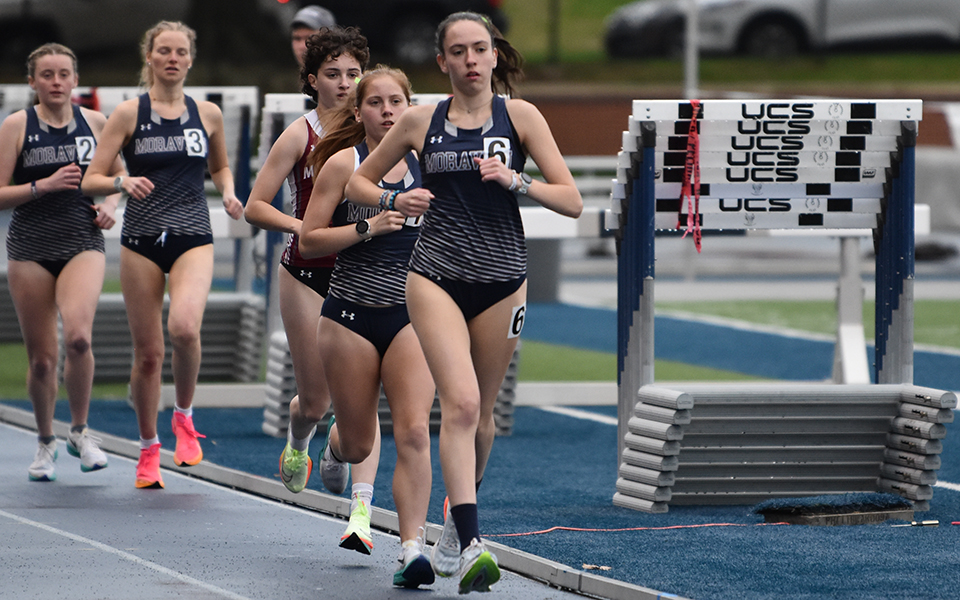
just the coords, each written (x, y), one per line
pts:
(78, 428)
(468, 525)
(46, 439)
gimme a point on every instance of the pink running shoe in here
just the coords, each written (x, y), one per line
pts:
(148, 468)
(187, 452)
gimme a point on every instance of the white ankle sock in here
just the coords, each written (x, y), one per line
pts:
(145, 444)
(360, 491)
(298, 444)
(187, 412)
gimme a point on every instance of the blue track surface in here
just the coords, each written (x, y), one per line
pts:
(560, 471)
(694, 342)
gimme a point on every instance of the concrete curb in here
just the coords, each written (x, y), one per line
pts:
(522, 563)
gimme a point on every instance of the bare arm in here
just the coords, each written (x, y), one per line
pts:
(106, 210)
(317, 237)
(11, 144)
(559, 192)
(406, 135)
(283, 156)
(98, 180)
(217, 160)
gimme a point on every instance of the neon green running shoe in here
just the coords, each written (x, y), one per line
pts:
(295, 468)
(478, 568)
(357, 535)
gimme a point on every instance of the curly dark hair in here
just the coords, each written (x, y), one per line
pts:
(331, 42)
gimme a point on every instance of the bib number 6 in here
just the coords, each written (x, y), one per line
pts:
(516, 322)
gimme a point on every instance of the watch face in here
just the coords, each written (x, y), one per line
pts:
(526, 178)
(362, 226)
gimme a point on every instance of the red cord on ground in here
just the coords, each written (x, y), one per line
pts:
(562, 528)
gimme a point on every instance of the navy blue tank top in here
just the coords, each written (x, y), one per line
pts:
(58, 225)
(374, 272)
(171, 153)
(472, 231)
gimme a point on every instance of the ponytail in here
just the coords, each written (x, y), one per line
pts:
(509, 67)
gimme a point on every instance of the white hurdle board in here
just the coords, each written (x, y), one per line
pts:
(781, 110)
(846, 166)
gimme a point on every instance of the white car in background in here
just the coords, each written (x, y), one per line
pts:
(779, 27)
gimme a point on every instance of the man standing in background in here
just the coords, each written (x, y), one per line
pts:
(308, 21)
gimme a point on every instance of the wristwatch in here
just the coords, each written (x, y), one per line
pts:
(525, 181)
(118, 183)
(363, 228)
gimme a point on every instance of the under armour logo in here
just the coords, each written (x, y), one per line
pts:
(33, 138)
(305, 273)
(133, 241)
(345, 315)
(145, 127)
(436, 139)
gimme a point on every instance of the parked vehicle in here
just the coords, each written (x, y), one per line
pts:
(779, 27)
(405, 29)
(82, 25)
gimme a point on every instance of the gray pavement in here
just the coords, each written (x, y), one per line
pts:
(222, 534)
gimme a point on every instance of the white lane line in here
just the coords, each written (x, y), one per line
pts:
(590, 416)
(947, 485)
(580, 414)
(126, 556)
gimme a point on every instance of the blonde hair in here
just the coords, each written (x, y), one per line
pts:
(49, 50)
(146, 46)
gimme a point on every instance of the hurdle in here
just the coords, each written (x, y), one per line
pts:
(820, 165)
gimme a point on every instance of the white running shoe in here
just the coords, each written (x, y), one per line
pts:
(414, 568)
(333, 473)
(42, 468)
(478, 568)
(85, 446)
(446, 552)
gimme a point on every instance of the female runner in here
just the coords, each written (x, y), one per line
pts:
(167, 140)
(55, 247)
(333, 61)
(365, 334)
(466, 289)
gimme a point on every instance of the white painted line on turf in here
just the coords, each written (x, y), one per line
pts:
(580, 414)
(947, 485)
(126, 556)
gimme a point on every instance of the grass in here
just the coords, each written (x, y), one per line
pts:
(581, 60)
(936, 322)
(582, 57)
(550, 362)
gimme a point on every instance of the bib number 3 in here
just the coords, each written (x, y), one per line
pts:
(196, 142)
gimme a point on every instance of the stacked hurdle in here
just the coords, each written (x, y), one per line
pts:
(814, 165)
